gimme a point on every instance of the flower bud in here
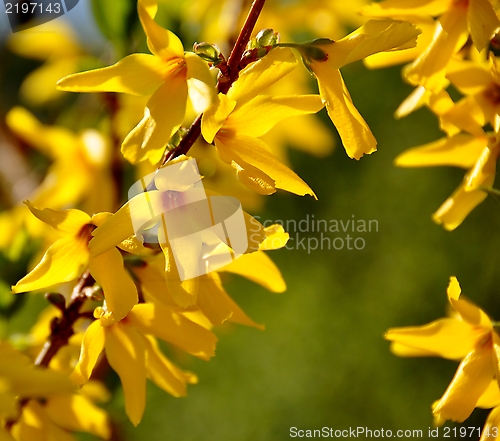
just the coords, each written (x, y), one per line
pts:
(208, 52)
(267, 37)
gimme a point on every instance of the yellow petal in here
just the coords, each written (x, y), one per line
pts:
(166, 324)
(200, 83)
(461, 150)
(137, 74)
(353, 130)
(259, 268)
(490, 429)
(472, 378)
(255, 179)
(276, 238)
(237, 315)
(213, 119)
(160, 121)
(161, 41)
(468, 311)
(64, 261)
(429, 69)
(374, 36)
(69, 222)
(77, 413)
(261, 114)
(447, 338)
(212, 301)
(132, 216)
(163, 372)
(258, 76)
(457, 207)
(92, 346)
(468, 77)
(244, 149)
(483, 22)
(125, 352)
(119, 290)
(490, 397)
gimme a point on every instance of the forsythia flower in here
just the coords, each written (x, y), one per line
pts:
(375, 36)
(468, 335)
(67, 258)
(479, 153)
(237, 120)
(457, 20)
(170, 75)
(132, 351)
(81, 162)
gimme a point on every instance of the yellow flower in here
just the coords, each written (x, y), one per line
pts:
(477, 153)
(481, 84)
(79, 173)
(132, 351)
(20, 379)
(193, 252)
(457, 20)
(170, 76)
(468, 335)
(55, 44)
(67, 258)
(375, 36)
(237, 120)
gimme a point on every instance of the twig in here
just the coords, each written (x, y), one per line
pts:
(225, 81)
(63, 328)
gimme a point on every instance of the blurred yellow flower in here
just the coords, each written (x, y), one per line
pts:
(477, 153)
(468, 335)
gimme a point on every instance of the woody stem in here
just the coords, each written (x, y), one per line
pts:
(63, 328)
(225, 81)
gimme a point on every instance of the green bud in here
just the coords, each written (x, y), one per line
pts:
(208, 52)
(267, 37)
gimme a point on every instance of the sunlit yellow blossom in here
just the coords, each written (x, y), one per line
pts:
(477, 153)
(237, 120)
(457, 20)
(468, 335)
(67, 258)
(132, 351)
(79, 173)
(58, 415)
(375, 36)
(56, 45)
(481, 83)
(170, 76)
(139, 216)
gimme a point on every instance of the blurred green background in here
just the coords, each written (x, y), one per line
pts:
(322, 360)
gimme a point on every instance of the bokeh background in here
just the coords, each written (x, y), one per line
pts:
(322, 360)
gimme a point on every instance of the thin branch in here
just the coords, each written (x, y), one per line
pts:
(63, 328)
(225, 81)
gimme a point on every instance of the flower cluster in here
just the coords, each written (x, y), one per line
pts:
(453, 52)
(122, 276)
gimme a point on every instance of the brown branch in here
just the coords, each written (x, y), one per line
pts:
(63, 328)
(225, 81)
